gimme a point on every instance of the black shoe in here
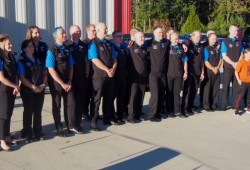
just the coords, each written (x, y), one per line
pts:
(189, 111)
(94, 126)
(75, 130)
(60, 132)
(223, 109)
(121, 122)
(108, 123)
(209, 110)
(183, 115)
(133, 120)
(177, 114)
(216, 109)
(154, 119)
(39, 137)
(164, 116)
(29, 139)
(237, 112)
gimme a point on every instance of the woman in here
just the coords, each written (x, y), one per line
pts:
(33, 33)
(8, 89)
(33, 76)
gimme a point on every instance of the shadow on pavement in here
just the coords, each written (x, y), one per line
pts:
(146, 161)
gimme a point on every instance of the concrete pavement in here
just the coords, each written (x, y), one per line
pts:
(215, 140)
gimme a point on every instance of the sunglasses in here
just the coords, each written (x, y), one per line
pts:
(119, 36)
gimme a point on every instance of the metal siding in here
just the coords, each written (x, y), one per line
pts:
(17, 15)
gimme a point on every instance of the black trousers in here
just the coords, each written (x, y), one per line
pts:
(190, 89)
(157, 85)
(120, 96)
(32, 104)
(136, 99)
(174, 87)
(229, 77)
(81, 93)
(7, 102)
(211, 91)
(102, 87)
(57, 92)
(244, 91)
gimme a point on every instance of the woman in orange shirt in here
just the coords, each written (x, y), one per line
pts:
(242, 73)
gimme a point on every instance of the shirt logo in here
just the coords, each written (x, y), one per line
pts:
(212, 52)
(101, 48)
(136, 50)
(230, 45)
(42, 48)
(237, 44)
(155, 47)
(80, 48)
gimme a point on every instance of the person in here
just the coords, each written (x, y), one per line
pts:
(232, 51)
(41, 48)
(8, 89)
(159, 51)
(139, 64)
(242, 74)
(177, 73)
(195, 71)
(104, 66)
(60, 62)
(91, 33)
(81, 74)
(241, 37)
(213, 61)
(120, 51)
(169, 31)
(132, 32)
(33, 75)
(202, 84)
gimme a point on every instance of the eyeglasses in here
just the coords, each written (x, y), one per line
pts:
(119, 36)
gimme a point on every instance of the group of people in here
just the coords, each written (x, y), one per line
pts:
(83, 72)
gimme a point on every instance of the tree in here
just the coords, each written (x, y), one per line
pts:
(192, 23)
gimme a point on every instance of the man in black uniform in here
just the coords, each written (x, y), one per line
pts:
(159, 51)
(60, 62)
(195, 72)
(104, 66)
(139, 74)
(120, 51)
(81, 73)
(176, 74)
(232, 51)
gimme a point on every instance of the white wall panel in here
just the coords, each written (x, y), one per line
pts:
(17, 15)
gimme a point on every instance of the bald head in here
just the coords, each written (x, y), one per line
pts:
(174, 38)
(75, 32)
(132, 33)
(101, 30)
(139, 38)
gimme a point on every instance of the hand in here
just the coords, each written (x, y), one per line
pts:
(110, 72)
(66, 87)
(216, 70)
(202, 77)
(185, 48)
(16, 90)
(234, 64)
(41, 88)
(185, 76)
(239, 82)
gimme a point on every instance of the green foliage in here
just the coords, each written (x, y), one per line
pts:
(192, 23)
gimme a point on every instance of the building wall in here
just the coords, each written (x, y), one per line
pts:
(17, 15)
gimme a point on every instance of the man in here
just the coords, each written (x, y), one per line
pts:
(138, 76)
(232, 51)
(120, 52)
(81, 73)
(104, 66)
(177, 73)
(159, 51)
(91, 33)
(132, 36)
(59, 62)
(195, 73)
